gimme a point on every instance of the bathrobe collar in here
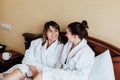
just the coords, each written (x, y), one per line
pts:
(51, 47)
(75, 50)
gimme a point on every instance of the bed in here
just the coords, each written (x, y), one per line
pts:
(97, 45)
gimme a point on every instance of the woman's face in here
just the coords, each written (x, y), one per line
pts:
(52, 34)
(69, 35)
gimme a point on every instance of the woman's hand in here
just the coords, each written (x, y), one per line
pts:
(34, 70)
(39, 76)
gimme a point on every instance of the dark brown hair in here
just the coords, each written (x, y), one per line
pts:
(46, 27)
(79, 29)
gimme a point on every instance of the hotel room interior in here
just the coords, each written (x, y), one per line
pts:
(18, 17)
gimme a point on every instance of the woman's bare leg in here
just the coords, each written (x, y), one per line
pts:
(38, 77)
(15, 75)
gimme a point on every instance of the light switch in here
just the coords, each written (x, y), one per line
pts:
(5, 27)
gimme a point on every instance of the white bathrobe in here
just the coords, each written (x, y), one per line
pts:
(39, 56)
(78, 64)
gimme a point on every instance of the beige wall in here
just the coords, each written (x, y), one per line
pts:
(103, 17)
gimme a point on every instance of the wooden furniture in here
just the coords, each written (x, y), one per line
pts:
(2, 47)
(97, 45)
(6, 64)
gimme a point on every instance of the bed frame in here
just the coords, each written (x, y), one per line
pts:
(97, 45)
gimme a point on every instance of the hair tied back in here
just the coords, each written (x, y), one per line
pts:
(84, 24)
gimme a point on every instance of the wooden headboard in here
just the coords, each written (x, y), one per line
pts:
(97, 45)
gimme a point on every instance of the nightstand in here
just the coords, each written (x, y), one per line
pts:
(6, 64)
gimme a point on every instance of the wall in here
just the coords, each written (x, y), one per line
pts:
(30, 15)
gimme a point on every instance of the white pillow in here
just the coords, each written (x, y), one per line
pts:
(103, 67)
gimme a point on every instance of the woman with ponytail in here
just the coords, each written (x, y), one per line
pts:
(77, 57)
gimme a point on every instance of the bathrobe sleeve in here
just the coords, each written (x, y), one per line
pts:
(61, 74)
(29, 53)
(28, 59)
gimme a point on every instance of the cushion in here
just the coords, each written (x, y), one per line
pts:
(103, 67)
